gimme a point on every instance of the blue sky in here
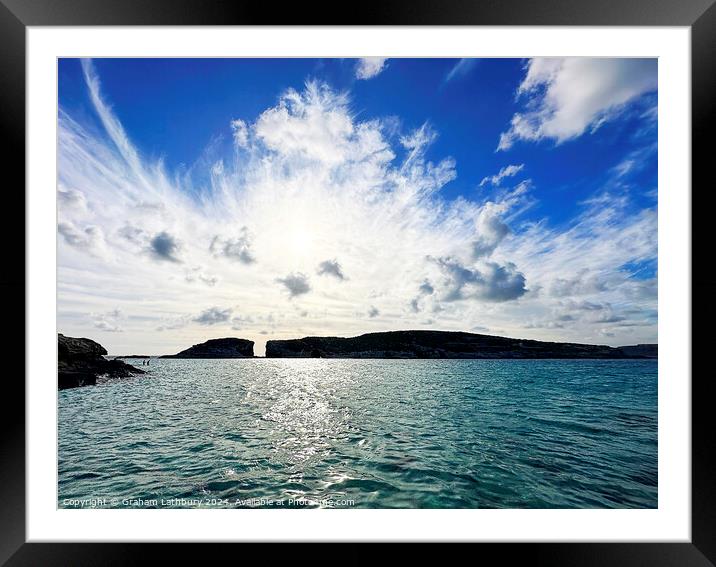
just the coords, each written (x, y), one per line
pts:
(508, 165)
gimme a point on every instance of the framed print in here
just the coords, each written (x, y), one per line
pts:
(425, 276)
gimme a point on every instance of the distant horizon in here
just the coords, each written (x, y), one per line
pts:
(263, 346)
(284, 198)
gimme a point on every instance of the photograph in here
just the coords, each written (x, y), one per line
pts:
(346, 283)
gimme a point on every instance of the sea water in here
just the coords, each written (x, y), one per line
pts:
(364, 433)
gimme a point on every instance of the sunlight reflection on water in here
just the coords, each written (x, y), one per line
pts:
(386, 433)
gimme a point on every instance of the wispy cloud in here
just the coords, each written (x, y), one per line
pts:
(460, 69)
(505, 172)
(111, 123)
(197, 274)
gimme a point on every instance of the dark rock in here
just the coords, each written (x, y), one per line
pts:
(441, 344)
(218, 348)
(641, 351)
(81, 361)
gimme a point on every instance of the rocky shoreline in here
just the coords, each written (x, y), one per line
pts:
(81, 361)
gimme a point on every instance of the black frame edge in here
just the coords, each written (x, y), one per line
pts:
(703, 391)
(371, 12)
(699, 14)
(538, 554)
(12, 282)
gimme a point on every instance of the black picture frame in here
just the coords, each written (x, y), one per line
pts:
(699, 15)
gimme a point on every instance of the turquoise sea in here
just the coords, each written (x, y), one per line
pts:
(296, 433)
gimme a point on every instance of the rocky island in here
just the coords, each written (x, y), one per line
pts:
(444, 344)
(81, 361)
(218, 348)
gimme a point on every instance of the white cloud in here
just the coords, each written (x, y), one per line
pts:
(315, 126)
(507, 171)
(315, 184)
(419, 139)
(241, 133)
(369, 67)
(565, 97)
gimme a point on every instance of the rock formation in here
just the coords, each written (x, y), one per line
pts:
(641, 351)
(81, 361)
(218, 348)
(442, 344)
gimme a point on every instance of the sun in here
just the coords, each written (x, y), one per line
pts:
(301, 239)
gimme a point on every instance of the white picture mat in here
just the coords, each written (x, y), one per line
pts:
(670, 522)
